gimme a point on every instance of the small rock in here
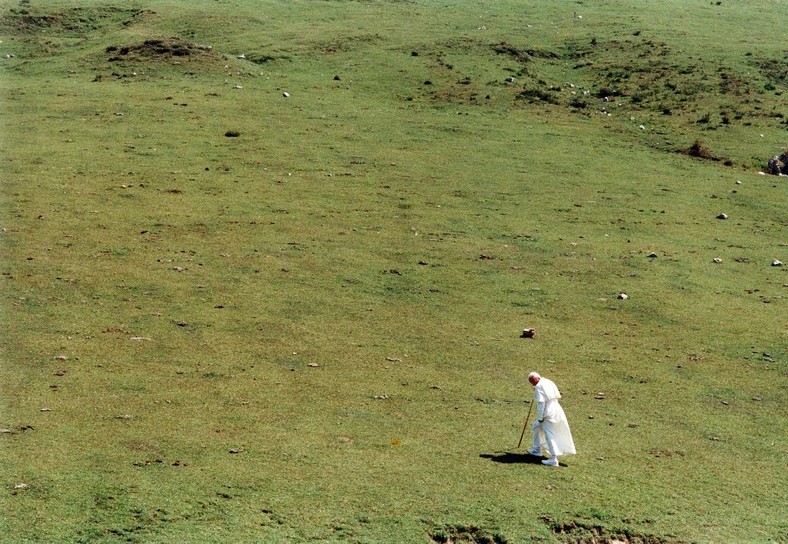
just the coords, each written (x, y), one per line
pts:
(286, 95)
(61, 358)
(716, 260)
(623, 296)
(236, 450)
(757, 398)
(776, 263)
(381, 397)
(394, 359)
(722, 216)
(46, 409)
(22, 486)
(5, 431)
(652, 255)
(528, 333)
(313, 365)
(241, 56)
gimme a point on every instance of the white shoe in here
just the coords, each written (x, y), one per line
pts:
(552, 462)
(538, 453)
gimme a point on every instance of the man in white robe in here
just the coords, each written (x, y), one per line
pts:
(551, 429)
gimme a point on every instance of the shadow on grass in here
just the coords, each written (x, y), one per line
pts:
(509, 457)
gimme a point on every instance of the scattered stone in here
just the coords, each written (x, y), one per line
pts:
(623, 296)
(241, 56)
(140, 338)
(394, 359)
(313, 365)
(528, 333)
(61, 358)
(124, 416)
(236, 450)
(725, 402)
(716, 260)
(5, 431)
(776, 263)
(22, 486)
(510, 79)
(182, 323)
(600, 396)
(652, 255)
(232, 133)
(722, 216)
(715, 438)
(46, 409)
(286, 95)
(381, 397)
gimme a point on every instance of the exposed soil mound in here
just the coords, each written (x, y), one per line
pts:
(76, 22)
(700, 151)
(579, 532)
(159, 48)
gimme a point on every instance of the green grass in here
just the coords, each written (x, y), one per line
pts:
(166, 287)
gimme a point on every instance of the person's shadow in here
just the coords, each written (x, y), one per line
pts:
(509, 457)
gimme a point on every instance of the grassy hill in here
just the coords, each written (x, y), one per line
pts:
(265, 267)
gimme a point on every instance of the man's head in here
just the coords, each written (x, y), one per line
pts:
(534, 378)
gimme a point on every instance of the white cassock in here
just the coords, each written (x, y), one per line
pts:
(553, 432)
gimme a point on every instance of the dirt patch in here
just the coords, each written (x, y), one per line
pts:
(160, 49)
(700, 151)
(465, 534)
(581, 532)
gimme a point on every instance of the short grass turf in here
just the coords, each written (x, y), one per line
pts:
(266, 265)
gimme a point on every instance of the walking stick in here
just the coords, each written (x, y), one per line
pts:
(520, 443)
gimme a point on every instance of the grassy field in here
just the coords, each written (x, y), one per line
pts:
(265, 266)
